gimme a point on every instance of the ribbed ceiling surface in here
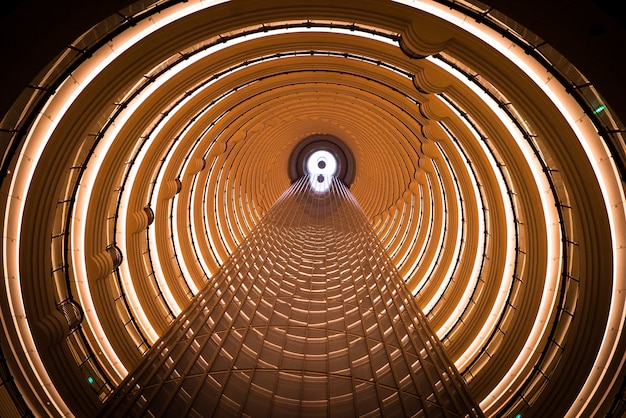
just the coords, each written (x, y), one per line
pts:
(153, 157)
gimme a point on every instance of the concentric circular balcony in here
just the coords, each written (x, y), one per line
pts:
(489, 167)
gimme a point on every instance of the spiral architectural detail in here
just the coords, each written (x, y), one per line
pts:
(489, 170)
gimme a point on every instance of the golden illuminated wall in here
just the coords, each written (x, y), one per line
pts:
(488, 167)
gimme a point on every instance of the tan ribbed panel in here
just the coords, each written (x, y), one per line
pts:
(307, 318)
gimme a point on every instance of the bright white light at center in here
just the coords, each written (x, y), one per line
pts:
(321, 165)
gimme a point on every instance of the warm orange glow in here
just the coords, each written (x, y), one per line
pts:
(474, 166)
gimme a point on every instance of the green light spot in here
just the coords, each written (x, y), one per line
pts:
(595, 112)
(518, 416)
(90, 380)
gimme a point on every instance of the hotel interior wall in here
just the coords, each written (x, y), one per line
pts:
(617, 106)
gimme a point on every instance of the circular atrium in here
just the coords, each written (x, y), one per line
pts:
(488, 163)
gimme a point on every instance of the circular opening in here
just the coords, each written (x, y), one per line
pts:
(321, 165)
(322, 154)
(321, 162)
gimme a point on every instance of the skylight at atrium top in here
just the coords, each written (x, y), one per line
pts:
(321, 166)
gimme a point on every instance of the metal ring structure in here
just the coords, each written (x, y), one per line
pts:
(489, 167)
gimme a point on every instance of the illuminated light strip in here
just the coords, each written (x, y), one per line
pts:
(245, 208)
(549, 294)
(474, 277)
(439, 244)
(221, 229)
(394, 230)
(429, 231)
(235, 215)
(12, 226)
(210, 164)
(204, 215)
(464, 301)
(248, 37)
(78, 233)
(20, 322)
(405, 235)
(201, 55)
(614, 199)
(553, 260)
(612, 305)
(429, 234)
(604, 168)
(34, 144)
(157, 263)
(162, 19)
(33, 147)
(229, 219)
(420, 219)
(207, 196)
(124, 270)
(447, 277)
(618, 271)
(191, 212)
(83, 197)
(130, 292)
(612, 190)
(297, 29)
(194, 213)
(186, 274)
(509, 263)
(159, 275)
(129, 288)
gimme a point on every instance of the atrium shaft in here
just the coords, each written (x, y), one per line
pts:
(308, 317)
